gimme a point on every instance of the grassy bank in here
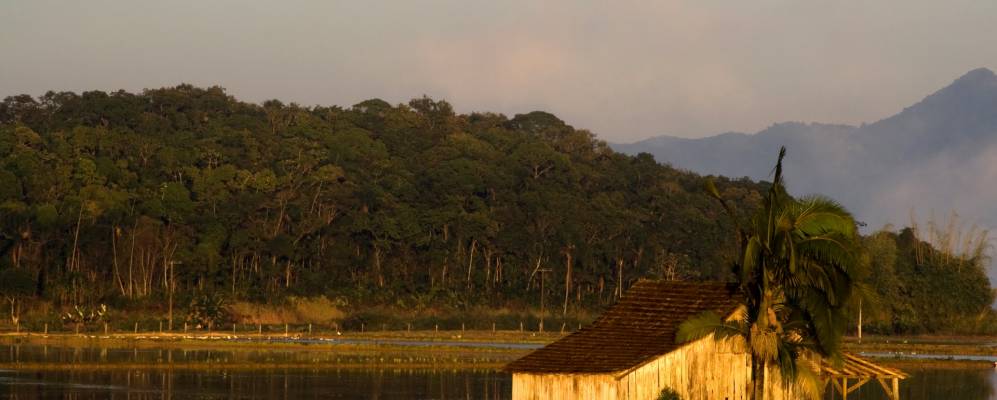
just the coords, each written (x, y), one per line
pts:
(227, 352)
(380, 350)
(912, 345)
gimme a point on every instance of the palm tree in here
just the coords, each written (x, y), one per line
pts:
(797, 270)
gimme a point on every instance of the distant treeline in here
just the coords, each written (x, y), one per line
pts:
(124, 198)
(117, 197)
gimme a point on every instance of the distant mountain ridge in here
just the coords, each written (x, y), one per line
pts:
(939, 155)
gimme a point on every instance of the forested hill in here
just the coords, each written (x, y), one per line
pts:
(112, 196)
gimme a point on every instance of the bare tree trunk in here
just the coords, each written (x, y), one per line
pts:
(131, 263)
(377, 267)
(235, 272)
(488, 268)
(114, 259)
(74, 263)
(443, 276)
(567, 278)
(619, 279)
(470, 262)
(287, 274)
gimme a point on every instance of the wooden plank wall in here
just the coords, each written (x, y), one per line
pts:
(702, 370)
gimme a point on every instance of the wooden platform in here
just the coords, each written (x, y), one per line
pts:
(857, 371)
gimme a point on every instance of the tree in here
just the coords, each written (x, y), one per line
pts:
(15, 285)
(797, 270)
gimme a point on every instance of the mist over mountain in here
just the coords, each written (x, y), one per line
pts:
(936, 156)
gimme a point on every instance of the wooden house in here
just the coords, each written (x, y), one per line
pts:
(630, 353)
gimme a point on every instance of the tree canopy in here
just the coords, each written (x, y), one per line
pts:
(124, 196)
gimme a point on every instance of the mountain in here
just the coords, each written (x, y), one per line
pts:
(937, 156)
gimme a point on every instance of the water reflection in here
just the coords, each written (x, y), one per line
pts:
(265, 384)
(85, 371)
(935, 383)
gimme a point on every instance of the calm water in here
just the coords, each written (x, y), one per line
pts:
(262, 384)
(944, 384)
(125, 374)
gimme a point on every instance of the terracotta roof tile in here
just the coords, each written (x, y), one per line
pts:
(641, 326)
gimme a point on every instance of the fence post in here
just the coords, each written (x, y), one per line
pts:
(259, 328)
(160, 326)
(46, 329)
(309, 329)
(136, 328)
(520, 326)
(105, 328)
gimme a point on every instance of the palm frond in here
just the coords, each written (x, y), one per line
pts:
(706, 324)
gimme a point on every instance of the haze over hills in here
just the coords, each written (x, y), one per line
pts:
(937, 156)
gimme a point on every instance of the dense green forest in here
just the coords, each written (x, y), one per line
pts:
(174, 195)
(925, 282)
(123, 198)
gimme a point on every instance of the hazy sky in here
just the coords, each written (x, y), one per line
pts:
(625, 70)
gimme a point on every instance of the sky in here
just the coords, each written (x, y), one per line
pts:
(624, 70)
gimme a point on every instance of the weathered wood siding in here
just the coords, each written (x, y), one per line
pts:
(702, 370)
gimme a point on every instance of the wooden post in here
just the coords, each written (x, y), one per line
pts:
(285, 330)
(462, 329)
(259, 328)
(105, 328)
(362, 327)
(493, 327)
(233, 327)
(185, 327)
(520, 326)
(160, 326)
(136, 328)
(46, 329)
(844, 385)
(309, 329)
(896, 389)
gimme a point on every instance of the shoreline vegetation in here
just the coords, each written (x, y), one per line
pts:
(417, 350)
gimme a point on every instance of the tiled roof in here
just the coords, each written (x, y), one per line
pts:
(640, 327)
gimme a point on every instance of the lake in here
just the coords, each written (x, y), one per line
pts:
(144, 372)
